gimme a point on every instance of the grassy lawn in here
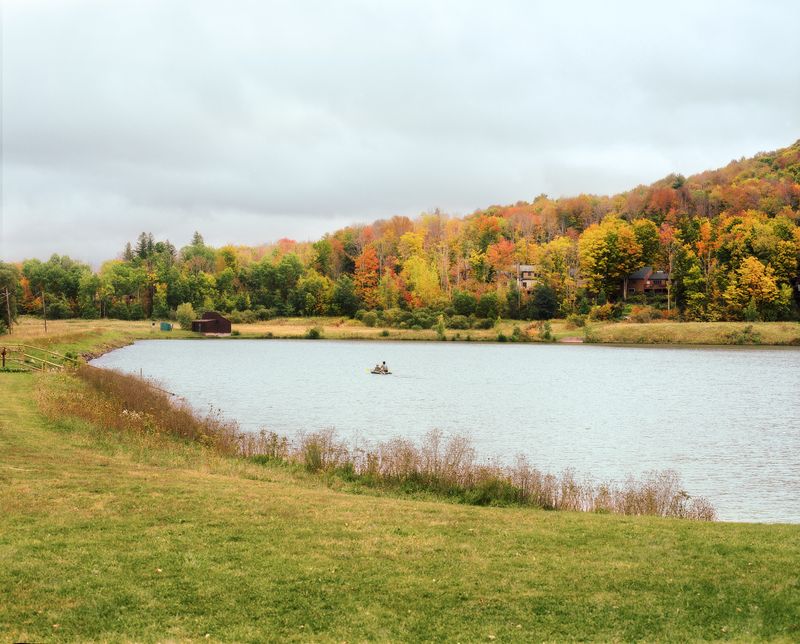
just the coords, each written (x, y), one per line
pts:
(120, 537)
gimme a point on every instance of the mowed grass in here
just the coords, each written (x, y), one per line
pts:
(115, 537)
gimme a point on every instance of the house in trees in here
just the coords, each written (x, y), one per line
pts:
(646, 281)
(211, 322)
(526, 276)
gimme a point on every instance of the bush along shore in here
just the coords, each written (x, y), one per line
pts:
(439, 466)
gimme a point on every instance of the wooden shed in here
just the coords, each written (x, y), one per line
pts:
(212, 322)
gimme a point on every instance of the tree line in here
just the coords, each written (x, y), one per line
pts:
(729, 240)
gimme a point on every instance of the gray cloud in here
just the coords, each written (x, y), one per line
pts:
(252, 121)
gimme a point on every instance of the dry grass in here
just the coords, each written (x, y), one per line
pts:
(439, 465)
(125, 403)
(448, 466)
(709, 333)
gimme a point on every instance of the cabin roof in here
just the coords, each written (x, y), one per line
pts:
(641, 274)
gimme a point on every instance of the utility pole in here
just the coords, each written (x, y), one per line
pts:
(8, 313)
(44, 311)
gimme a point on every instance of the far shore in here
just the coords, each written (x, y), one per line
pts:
(91, 338)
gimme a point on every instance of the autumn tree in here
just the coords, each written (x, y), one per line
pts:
(753, 284)
(609, 252)
(366, 277)
(422, 281)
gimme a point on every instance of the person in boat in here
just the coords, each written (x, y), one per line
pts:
(384, 368)
(377, 368)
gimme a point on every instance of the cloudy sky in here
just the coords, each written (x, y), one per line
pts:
(251, 121)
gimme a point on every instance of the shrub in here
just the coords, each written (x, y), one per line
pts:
(545, 331)
(458, 322)
(385, 333)
(263, 313)
(747, 335)
(602, 312)
(489, 306)
(314, 333)
(424, 318)
(464, 303)
(750, 312)
(370, 318)
(136, 312)
(57, 308)
(575, 320)
(393, 317)
(501, 337)
(185, 313)
(641, 314)
(440, 328)
(488, 323)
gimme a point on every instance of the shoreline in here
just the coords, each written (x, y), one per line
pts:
(91, 339)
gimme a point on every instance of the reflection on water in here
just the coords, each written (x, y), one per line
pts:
(727, 419)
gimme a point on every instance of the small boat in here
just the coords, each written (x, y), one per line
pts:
(381, 372)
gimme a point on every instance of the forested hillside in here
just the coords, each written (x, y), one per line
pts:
(728, 238)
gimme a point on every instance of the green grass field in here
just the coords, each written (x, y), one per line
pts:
(110, 537)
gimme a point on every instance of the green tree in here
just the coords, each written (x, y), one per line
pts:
(464, 303)
(489, 306)
(313, 294)
(89, 296)
(9, 293)
(647, 236)
(185, 314)
(543, 304)
(344, 300)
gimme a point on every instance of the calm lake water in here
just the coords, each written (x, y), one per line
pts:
(727, 419)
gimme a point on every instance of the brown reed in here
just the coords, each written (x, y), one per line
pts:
(439, 464)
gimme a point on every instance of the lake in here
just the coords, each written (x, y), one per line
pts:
(726, 419)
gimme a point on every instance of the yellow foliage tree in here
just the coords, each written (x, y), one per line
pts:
(753, 283)
(422, 280)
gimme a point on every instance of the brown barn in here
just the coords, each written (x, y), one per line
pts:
(212, 322)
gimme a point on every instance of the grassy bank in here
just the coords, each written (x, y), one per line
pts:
(444, 467)
(85, 338)
(91, 337)
(708, 333)
(107, 534)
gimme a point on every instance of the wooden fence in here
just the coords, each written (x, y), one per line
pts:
(25, 356)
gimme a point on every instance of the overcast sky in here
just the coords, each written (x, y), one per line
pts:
(252, 121)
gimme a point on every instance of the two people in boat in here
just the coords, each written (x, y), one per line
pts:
(381, 368)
